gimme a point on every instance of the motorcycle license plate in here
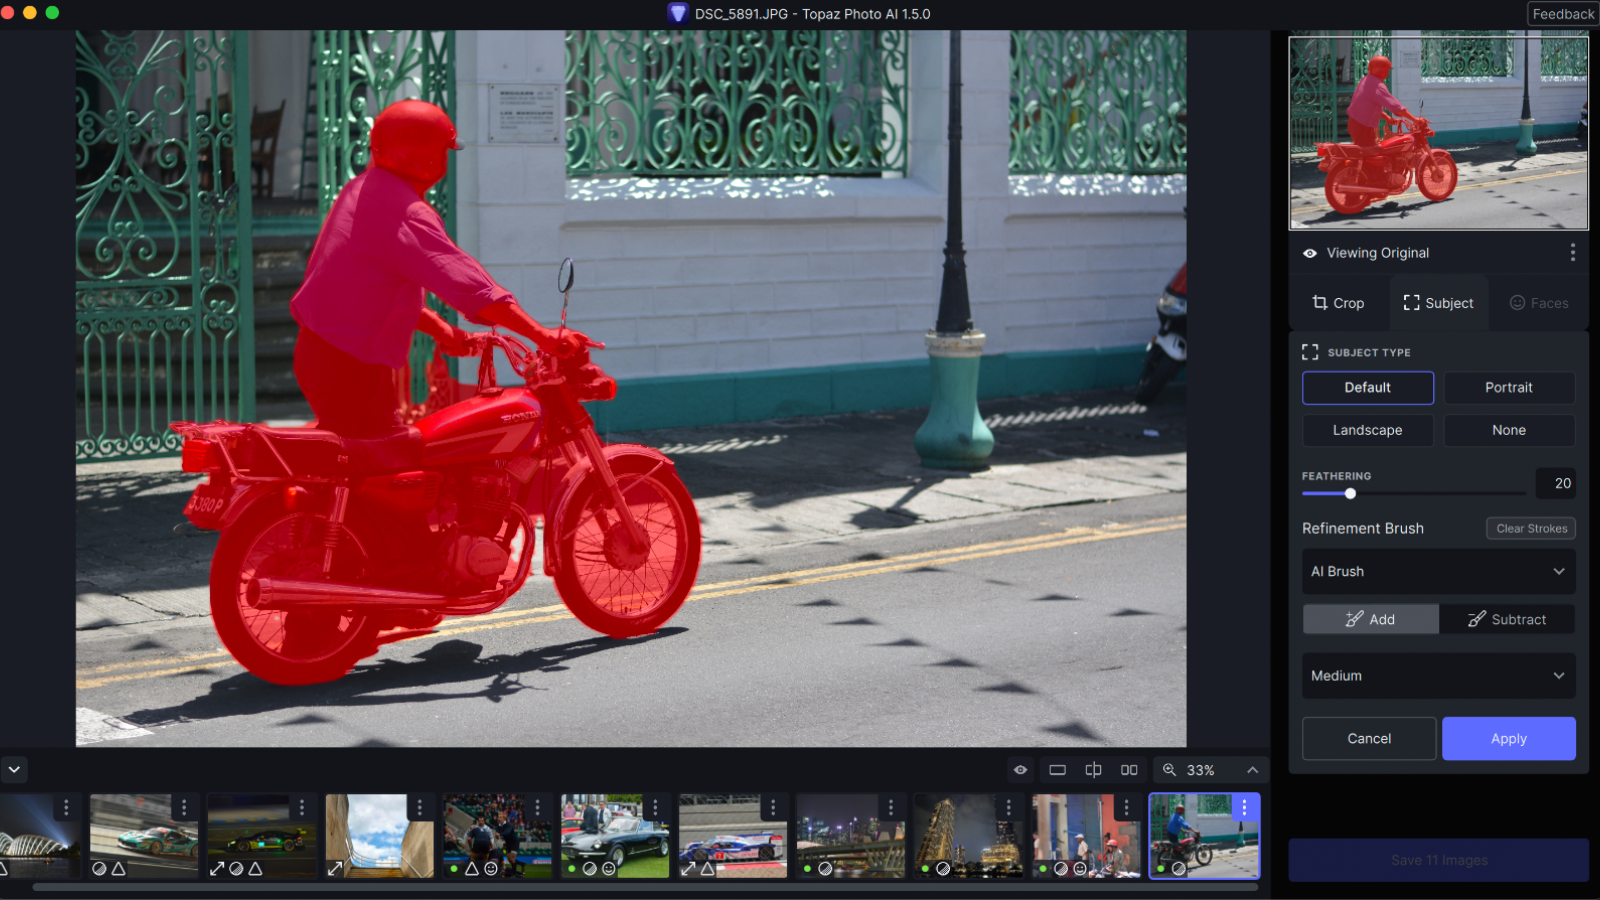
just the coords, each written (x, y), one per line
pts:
(207, 504)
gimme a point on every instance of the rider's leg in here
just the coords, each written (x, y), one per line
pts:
(353, 398)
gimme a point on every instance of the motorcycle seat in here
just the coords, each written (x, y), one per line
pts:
(317, 451)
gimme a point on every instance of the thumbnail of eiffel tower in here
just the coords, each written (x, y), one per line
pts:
(940, 841)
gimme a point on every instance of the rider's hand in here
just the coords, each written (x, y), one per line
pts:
(562, 344)
(453, 342)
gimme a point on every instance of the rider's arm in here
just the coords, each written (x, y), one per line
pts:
(508, 314)
(451, 339)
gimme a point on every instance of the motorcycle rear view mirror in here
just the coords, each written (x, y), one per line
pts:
(564, 276)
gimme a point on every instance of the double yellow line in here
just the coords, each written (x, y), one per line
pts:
(99, 676)
(1459, 188)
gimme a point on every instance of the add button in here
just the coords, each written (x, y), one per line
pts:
(1498, 738)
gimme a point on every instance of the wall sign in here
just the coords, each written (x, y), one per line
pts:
(524, 113)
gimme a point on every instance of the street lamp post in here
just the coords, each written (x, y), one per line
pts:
(954, 436)
(1525, 144)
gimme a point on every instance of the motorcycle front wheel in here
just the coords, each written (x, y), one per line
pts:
(1202, 855)
(610, 586)
(1159, 368)
(1338, 197)
(1436, 177)
(287, 647)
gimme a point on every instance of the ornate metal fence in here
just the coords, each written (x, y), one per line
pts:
(1087, 102)
(1313, 91)
(358, 74)
(1364, 45)
(163, 297)
(717, 103)
(1468, 54)
(1566, 57)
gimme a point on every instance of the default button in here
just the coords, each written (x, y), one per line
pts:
(1509, 738)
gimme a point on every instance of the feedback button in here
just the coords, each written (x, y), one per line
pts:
(1511, 737)
(1569, 14)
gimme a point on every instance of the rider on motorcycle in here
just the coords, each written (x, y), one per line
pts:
(1177, 825)
(380, 249)
(1371, 98)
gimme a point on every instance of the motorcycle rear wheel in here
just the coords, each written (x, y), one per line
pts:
(287, 647)
(1341, 200)
(1436, 177)
(1159, 368)
(612, 598)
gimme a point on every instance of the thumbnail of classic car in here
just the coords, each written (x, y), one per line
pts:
(765, 845)
(622, 838)
(269, 840)
(160, 839)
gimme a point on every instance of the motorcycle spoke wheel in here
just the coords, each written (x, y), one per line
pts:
(609, 586)
(1436, 178)
(1338, 197)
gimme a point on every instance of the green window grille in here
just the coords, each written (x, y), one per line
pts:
(1566, 57)
(1468, 54)
(1313, 91)
(721, 103)
(1214, 805)
(163, 300)
(1098, 102)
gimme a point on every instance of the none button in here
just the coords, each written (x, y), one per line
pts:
(1509, 431)
(1511, 737)
(1368, 738)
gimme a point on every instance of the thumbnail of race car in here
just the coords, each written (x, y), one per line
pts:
(765, 845)
(622, 838)
(269, 840)
(160, 840)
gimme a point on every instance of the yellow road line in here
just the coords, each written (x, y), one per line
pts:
(1459, 188)
(515, 617)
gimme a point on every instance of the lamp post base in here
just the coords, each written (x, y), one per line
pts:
(954, 436)
(1525, 144)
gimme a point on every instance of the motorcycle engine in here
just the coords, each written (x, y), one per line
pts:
(473, 558)
(484, 497)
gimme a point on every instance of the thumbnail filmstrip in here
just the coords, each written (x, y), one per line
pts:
(250, 837)
(491, 835)
(40, 836)
(851, 836)
(1087, 836)
(1205, 836)
(608, 836)
(977, 836)
(143, 836)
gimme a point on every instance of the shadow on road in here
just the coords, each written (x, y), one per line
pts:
(401, 682)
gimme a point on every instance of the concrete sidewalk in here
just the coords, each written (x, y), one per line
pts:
(757, 485)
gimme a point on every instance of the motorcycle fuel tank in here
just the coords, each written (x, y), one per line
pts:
(484, 427)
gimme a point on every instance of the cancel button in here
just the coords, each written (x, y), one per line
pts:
(1359, 738)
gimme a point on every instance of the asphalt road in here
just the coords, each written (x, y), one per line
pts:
(103, 846)
(1054, 627)
(1554, 197)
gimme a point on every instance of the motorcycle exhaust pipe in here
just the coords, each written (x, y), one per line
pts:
(1353, 189)
(289, 593)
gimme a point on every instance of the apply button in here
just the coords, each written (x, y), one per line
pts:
(1511, 737)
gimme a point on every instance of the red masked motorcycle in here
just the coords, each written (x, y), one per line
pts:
(332, 547)
(1358, 176)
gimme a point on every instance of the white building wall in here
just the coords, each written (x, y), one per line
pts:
(1458, 104)
(696, 276)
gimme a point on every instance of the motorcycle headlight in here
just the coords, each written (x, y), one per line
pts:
(1172, 305)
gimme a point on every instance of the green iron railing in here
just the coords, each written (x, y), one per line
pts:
(1092, 102)
(358, 74)
(1565, 57)
(1313, 91)
(724, 103)
(1468, 54)
(163, 298)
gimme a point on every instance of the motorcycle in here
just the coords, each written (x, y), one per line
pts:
(1168, 351)
(332, 547)
(1358, 176)
(1180, 856)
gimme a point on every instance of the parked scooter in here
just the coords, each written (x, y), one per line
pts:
(332, 547)
(1168, 351)
(1358, 176)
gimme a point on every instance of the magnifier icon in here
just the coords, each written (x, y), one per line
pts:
(1169, 770)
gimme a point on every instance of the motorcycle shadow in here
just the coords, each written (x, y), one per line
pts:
(1388, 209)
(443, 663)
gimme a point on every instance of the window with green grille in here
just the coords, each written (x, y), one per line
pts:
(1564, 55)
(1214, 805)
(1468, 54)
(1098, 102)
(718, 103)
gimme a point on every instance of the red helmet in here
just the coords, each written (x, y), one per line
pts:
(1111, 843)
(410, 138)
(1379, 66)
